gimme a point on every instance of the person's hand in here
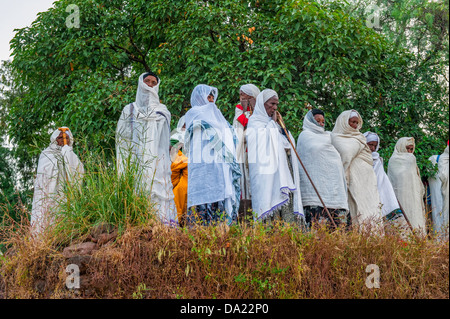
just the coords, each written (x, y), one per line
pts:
(251, 104)
(275, 116)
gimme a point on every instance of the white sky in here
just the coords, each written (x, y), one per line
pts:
(17, 14)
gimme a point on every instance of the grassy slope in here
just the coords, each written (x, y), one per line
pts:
(238, 262)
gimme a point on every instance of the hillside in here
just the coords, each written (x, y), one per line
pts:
(237, 262)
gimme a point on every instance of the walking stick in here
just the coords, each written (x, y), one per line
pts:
(281, 122)
(406, 218)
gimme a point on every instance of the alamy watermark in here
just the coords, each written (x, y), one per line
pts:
(73, 19)
(373, 280)
(73, 277)
(373, 13)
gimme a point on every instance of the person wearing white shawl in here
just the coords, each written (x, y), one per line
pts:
(385, 189)
(274, 171)
(248, 94)
(57, 166)
(392, 215)
(213, 172)
(408, 187)
(443, 175)
(323, 164)
(435, 196)
(142, 143)
(363, 197)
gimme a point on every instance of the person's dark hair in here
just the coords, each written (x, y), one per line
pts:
(317, 111)
(152, 74)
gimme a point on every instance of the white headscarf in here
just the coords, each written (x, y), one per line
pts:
(202, 109)
(354, 114)
(250, 89)
(373, 137)
(260, 114)
(272, 183)
(385, 189)
(342, 129)
(147, 98)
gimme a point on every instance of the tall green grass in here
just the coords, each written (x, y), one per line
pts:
(102, 196)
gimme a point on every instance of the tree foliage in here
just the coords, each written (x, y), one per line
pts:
(321, 54)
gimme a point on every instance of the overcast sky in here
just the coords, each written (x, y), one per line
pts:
(17, 14)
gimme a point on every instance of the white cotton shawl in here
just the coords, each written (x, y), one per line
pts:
(385, 189)
(57, 165)
(270, 178)
(143, 136)
(323, 164)
(443, 175)
(210, 176)
(405, 178)
(363, 197)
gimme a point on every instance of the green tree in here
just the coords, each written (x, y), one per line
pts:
(418, 106)
(11, 194)
(311, 53)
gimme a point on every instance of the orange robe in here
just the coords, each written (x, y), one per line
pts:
(180, 183)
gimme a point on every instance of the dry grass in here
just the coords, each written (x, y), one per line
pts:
(150, 260)
(249, 261)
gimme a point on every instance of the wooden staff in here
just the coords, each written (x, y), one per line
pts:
(406, 218)
(281, 122)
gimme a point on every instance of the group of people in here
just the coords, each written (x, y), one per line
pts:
(208, 171)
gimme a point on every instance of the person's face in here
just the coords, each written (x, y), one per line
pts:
(60, 139)
(247, 101)
(410, 148)
(320, 119)
(373, 146)
(151, 81)
(271, 105)
(210, 98)
(353, 122)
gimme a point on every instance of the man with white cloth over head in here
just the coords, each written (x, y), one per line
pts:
(390, 208)
(408, 187)
(213, 172)
(323, 164)
(247, 94)
(363, 197)
(443, 175)
(273, 167)
(142, 142)
(57, 166)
